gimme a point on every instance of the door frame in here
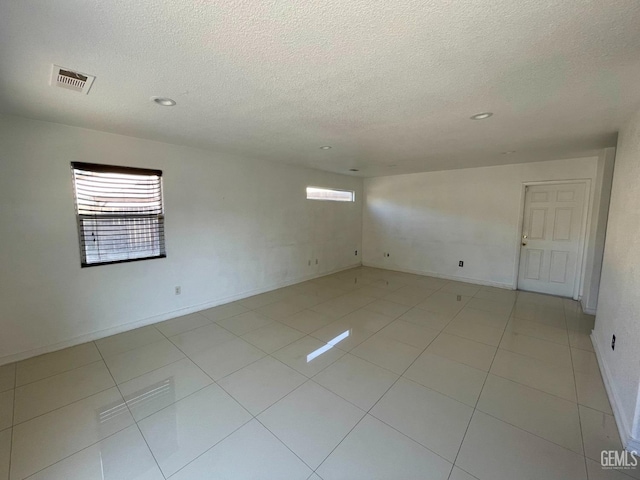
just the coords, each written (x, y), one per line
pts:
(584, 228)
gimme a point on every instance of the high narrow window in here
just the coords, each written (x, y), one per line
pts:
(317, 193)
(119, 212)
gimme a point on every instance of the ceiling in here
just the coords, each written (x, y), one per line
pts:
(390, 85)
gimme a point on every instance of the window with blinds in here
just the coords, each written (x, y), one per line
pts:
(331, 194)
(119, 212)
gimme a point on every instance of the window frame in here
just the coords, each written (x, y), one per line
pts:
(117, 169)
(352, 192)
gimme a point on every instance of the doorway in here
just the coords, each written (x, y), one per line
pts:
(552, 238)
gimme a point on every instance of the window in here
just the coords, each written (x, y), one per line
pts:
(317, 193)
(119, 212)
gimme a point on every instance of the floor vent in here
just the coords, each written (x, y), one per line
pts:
(65, 78)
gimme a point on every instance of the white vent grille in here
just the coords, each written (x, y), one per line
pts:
(76, 81)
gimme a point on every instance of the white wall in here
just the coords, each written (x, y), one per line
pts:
(233, 227)
(619, 300)
(598, 230)
(429, 221)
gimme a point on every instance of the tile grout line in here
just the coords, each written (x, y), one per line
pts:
(269, 406)
(58, 373)
(533, 388)
(94, 443)
(575, 386)
(170, 405)
(204, 372)
(240, 337)
(487, 373)
(231, 373)
(544, 391)
(531, 433)
(537, 338)
(526, 431)
(131, 414)
(481, 343)
(475, 408)
(253, 417)
(462, 470)
(367, 412)
(368, 361)
(81, 398)
(358, 422)
(534, 358)
(65, 405)
(278, 438)
(214, 445)
(512, 318)
(214, 382)
(72, 454)
(189, 358)
(309, 379)
(529, 386)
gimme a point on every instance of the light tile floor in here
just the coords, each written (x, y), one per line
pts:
(359, 375)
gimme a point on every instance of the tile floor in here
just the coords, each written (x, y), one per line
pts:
(359, 375)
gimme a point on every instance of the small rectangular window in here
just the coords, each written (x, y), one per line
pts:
(317, 193)
(119, 212)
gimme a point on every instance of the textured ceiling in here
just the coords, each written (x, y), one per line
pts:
(389, 84)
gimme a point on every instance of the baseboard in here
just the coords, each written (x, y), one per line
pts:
(624, 429)
(89, 337)
(587, 310)
(458, 278)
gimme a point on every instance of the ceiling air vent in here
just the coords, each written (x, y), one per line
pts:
(76, 81)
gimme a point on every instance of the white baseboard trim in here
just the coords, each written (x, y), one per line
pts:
(624, 429)
(125, 327)
(475, 281)
(586, 309)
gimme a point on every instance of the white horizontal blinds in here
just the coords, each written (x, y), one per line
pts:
(120, 213)
(316, 193)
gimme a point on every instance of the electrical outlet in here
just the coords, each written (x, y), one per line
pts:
(388, 254)
(316, 261)
(461, 263)
(309, 263)
(178, 290)
(613, 342)
(356, 253)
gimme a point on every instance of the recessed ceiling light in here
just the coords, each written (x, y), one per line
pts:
(354, 170)
(325, 147)
(164, 101)
(481, 116)
(508, 152)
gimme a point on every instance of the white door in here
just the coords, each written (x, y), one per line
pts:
(551, 234)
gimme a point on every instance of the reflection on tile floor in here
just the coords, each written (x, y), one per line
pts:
(366, 374)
